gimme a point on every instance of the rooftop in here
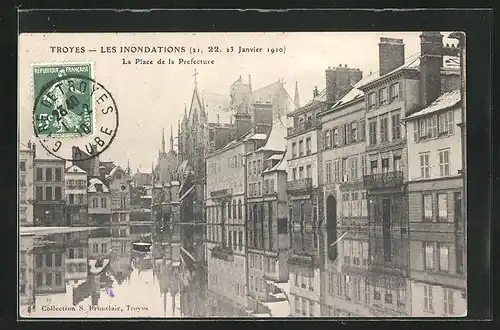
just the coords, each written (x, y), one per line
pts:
(445, 101)
(92, 185)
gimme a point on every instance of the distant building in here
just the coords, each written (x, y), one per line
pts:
(166, 165)
(119, 188)
(26, 186)
(99, 202)
(49, 192)
(76, 196)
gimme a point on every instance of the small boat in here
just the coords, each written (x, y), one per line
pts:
(96, 266)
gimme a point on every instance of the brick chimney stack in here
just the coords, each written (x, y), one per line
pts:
(431, 61)
(391, 54)
(339, 81)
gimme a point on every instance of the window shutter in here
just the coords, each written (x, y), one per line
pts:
(451, 123)
(363, 130)
(347, 134)
(415, 131)
(400, 90)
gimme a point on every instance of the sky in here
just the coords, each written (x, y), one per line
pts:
(153, 97)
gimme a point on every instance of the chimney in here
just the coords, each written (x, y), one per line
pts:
(339, 81)
(431, 61)
(243, 122)
(391, 54)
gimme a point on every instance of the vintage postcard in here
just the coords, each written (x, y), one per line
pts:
(166, 175)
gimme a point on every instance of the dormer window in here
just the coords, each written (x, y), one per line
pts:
(98, 187)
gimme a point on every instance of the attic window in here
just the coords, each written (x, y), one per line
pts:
(98, 187)
(118, 176)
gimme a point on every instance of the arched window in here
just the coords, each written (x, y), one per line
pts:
(239, 209)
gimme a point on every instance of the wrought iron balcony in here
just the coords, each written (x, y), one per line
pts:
(383, 180)
(301, 185)
(303, 126)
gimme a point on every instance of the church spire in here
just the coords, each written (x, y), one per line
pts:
(163, 140)
(296, 99)
(128, 166)
(171, 139)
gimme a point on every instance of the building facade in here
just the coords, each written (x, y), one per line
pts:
(49, 269)
(435, 192)
(225, 207)
(49, 192)
(26, 273)
(99, 202)
(76, 258)
(76, 196)
(119, 188)
(26, 186)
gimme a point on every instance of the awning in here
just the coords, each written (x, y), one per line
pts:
(186, 193)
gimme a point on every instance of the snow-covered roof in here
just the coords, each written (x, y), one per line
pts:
(444, 101)
(92, 184)
(75, 169)
(258, 136)
(277, 137)
(282, 165)
(113, 171)
(413, 62)
(275, 157)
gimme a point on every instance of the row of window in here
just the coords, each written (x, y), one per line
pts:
(231, 210)
(435, 126)
(301, 152)
(48, 174)
(49, 280)
(234, 239)
(435, 209)
(443, 161)
(448, 302)
(396, 164)
(51, 193)
(119, 217)
(436, 256)
(95, 248)
(51, 260)
(260, 262)
(76, 184)
(384, 95)
(304, 306)
(379, 128)
(301, 173)
(76, 253)
(255, 167)
(355, 252)
(95, 202)
(345, 134)
(80, 267)
(354, 204)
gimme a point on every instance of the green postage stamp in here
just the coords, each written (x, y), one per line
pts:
(63, 107)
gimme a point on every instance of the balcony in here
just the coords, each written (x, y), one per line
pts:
(383, 180)
(222, 253)
(302, 127)
(301, 185)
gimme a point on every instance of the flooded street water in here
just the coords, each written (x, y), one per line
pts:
(62, 275)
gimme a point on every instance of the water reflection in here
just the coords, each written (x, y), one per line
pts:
(375, 273)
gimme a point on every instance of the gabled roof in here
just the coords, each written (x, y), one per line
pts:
(114, 170)
(75, 169)
(92, 184)
(445, 101)
(282, 165)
